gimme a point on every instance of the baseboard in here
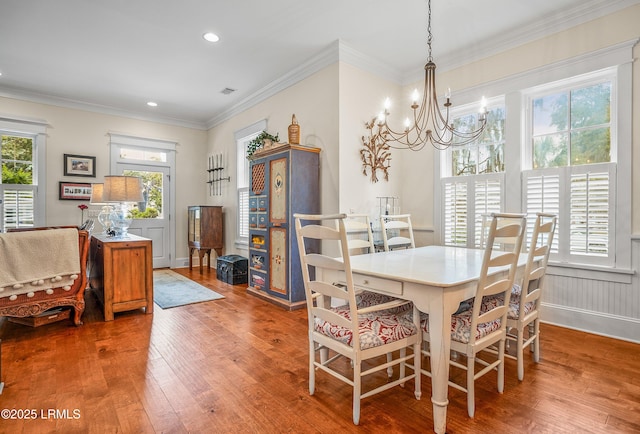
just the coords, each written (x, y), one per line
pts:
(275, 300)
(624, 328)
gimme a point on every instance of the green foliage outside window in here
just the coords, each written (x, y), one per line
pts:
(572, 128)
(487, 154)
(152, 206)
(17, 160)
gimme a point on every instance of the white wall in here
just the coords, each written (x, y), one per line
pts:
(314, 101)
(72, 131)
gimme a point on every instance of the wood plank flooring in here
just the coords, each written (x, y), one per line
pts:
(239, 365)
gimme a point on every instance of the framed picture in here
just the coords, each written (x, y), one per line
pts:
(79, 165)
(75, 191)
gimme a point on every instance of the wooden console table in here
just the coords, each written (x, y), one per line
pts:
(121, 273)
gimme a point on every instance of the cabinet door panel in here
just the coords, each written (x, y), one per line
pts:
(278, 260)
(278, 191)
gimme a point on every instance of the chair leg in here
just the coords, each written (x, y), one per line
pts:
(520, 352)
(501, 346)
(471, 402)
(390, 368)
(536, 342)
(312, 367)
(357, 390)
(417, 358)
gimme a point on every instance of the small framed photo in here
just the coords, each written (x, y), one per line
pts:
(79, 165)
(74, 191)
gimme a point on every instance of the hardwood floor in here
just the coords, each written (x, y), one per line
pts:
(239, 365)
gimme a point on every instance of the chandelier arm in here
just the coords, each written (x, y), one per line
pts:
(431, 124)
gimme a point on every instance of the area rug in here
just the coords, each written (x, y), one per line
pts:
(171, 289)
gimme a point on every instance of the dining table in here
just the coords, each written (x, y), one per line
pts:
(436, 279)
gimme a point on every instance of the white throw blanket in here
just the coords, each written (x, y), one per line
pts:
(38, 260)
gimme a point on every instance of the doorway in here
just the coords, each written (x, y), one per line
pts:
(151, 216)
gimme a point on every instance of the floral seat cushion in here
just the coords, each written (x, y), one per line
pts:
(514, 303)
(461, 326)
(375, 329)
(368, 298)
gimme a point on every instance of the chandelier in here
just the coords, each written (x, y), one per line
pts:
(430, 124)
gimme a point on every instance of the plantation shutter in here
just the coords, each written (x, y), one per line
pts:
(542, 194)
(455, 213)
(243, 212)
(18, 209)
(488, 199)
(591, 210)
(584, 196)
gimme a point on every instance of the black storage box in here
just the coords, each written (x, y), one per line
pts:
(232, 269)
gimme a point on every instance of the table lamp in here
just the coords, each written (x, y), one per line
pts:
(122, 190)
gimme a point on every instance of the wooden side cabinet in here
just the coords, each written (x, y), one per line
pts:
(121, 273)
(204, 233)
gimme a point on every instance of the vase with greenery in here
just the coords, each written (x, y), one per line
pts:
(259, 141)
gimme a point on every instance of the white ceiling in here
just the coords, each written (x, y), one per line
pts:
(113, 56)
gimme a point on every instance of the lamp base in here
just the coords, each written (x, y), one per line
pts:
(122, 220)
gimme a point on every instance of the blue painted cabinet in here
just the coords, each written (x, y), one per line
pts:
(284, 180)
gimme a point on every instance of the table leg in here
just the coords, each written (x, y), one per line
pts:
(441, 309)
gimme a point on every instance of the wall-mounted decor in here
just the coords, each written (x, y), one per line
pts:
(74, 191)
(79, 165)
(375, 154)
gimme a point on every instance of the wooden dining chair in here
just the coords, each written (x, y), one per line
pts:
(359, 334)
(359, 234)
(360, 241)
(524, 304)
(397, 232)
(477, 329)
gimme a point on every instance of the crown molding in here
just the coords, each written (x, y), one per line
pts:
(25, 95)
(549, 25)
(324, 58)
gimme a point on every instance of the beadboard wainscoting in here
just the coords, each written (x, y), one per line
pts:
(604, 303)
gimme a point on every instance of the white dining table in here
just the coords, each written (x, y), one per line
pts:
(436, 279)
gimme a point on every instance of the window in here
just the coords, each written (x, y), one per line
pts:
(572, 171)
(21, 147)
(566, 150)
(473, 184)
(243, 137)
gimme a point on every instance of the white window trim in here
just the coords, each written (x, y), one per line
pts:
(240, 137)
(37, 130)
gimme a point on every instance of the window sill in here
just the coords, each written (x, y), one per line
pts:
(608, 274)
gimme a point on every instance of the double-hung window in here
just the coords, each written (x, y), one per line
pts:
(473, 178)
(21, 151)
(569, 165)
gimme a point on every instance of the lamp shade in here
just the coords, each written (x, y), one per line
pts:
(122, 189)
(97, 191)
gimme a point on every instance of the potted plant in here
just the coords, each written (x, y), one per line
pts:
(260, 141)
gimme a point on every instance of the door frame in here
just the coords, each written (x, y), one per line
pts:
(119, 141)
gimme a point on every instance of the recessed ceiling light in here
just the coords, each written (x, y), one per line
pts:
(211, 37)
(152, 104)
